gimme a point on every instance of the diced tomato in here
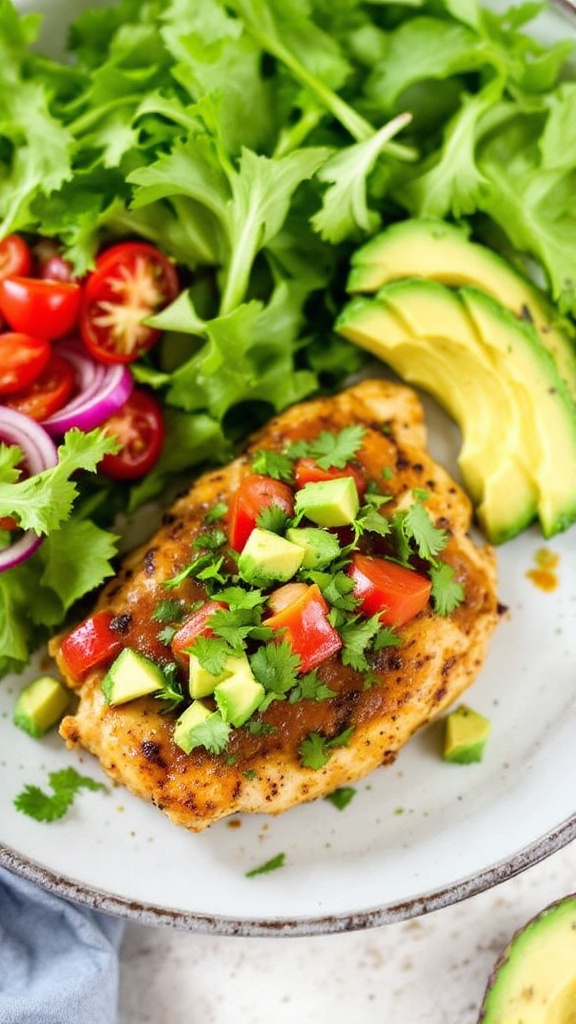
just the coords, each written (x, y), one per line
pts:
(139, 426)
(307, 471)
(48, 393)
(44, 309)
(387, 589)
(15, 256)
(90, 645)
(194, 626)
(285, 595)
(307, 629)
(22, 359)
(255, 493)
(131, 281)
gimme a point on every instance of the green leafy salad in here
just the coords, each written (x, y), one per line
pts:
(257, 143)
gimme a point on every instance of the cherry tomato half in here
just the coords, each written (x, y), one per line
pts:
(46, 309)
(255, 493)
(15, 256)
(22, 359)
(131, 282)
(48, 393)
(387, 589)
(139, 427)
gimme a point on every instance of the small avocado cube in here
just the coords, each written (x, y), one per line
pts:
(201, 682)
(130, 676)
(238, 696)
(268, 558)
(329, 502)
(40, 706)
(465, 736)
(194, 715)
(320, 547)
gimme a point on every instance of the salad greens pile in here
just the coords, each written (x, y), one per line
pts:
(257, 142)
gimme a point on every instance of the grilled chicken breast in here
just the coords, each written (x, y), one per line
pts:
(262, 771)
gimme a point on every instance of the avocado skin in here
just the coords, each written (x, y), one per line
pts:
(517, 418)
(436, 250)
(534, 979)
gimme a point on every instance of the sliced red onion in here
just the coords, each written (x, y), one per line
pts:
(40, 453)
(102, 390)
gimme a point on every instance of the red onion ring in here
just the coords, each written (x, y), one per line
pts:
(103, 389)
(40, 453)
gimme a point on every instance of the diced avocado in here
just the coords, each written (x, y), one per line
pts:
(465, 736)
(320, 547)
(194, 715)
(40, 705)
(489, 371)
(431, 248)
(201, 682)
(534, 980)
(329, 502)
(268, 558)
(130, 676)
(239, 695)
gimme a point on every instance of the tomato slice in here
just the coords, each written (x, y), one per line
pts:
(91, 644)
(48, 393)
(131, 282)
(22, 359)
(194, 626)
(139, 427)
(304, 624)
(255, 493)
(45, 309)
(15, 256)
(307, 471)
(384, 588)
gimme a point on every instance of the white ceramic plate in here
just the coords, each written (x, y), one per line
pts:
(417, 835)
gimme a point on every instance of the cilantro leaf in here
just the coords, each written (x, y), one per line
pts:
(272, 518)
(330, 450)
(213, 734)
(447, 592)
(65, 784)
(270, 865)
(316, 750)
(357, 636)
(310, 687)
(275, 666)
(416, 526)
(341, 797)
(275, 464)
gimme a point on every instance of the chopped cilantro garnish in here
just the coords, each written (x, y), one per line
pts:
(275, 666)
(171, 693)
(357, 636)
(218, 511)
(65, 784)
(211, 541)
(331, 450)
(166, 611)
(447, 592)
(341, 797)
(315, 750)
(212, 733)
(274, 464)
(272, 518)
(310, 687)
(270, 865)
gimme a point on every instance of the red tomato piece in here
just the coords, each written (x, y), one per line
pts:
(139, 427)
(194, 626)
(15, 256)
(45, 309)
(255, 493)
(305, 625)
(131, 281)
(22, 360)
(90, 645)
(392, 591)
(48, 393)
(307, 471)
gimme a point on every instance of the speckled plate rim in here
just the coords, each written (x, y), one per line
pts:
(204, 924)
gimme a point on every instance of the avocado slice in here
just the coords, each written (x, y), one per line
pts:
(492, 375)
(130, 676)
(431, 248)
(534, 981)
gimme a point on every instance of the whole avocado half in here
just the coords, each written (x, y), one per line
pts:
(534, 980)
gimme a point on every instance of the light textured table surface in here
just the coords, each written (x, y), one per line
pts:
(431, 970)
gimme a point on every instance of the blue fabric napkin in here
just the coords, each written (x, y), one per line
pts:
(58, 960)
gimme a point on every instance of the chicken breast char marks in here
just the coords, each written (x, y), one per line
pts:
(439, 656)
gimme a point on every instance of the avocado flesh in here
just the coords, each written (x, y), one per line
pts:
(534, 982)
(461, 378)
(519, 433)
(435, 250)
